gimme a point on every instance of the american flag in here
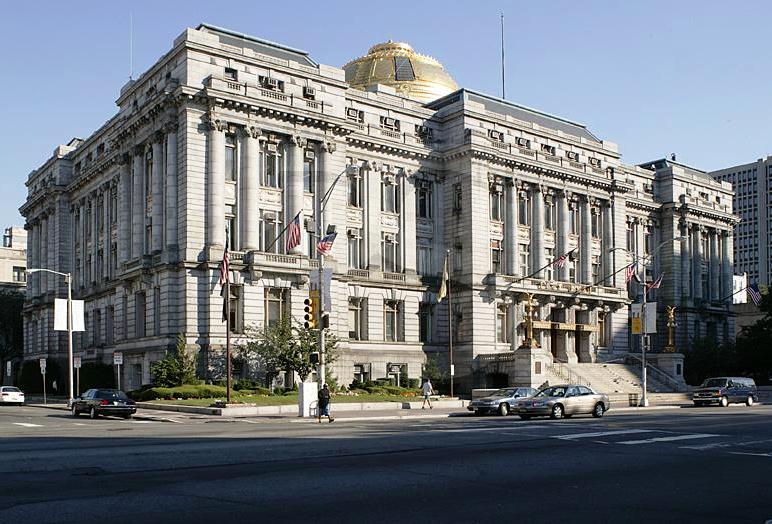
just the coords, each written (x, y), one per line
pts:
(225, 265)
(656, 284)
(561, 260)
(754, 293)
(630, 272)
(293, 233)
(324, 246)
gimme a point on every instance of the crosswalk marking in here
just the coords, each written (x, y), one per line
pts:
(716, 445)
(602, 434)
(750, 454)
(27, 425)
(669, 439)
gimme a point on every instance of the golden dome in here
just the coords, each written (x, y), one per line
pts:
(397, 65)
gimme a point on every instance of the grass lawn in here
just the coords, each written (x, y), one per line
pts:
(279, 400)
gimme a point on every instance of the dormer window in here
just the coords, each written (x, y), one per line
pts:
(231, 74)
(548, 150)
(355, 115)
(495, 135)
(523, 142)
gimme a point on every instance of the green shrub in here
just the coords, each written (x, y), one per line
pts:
(184, 392)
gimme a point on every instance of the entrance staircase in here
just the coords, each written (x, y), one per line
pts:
(611, 378)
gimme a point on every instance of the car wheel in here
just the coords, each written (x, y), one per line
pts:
(92, 413)
(477, 412)
(503, 409)
(724, 402)
(525, 417)
(75, 412)
(557, 412)
(698, 404)
(749, 401)
(598, 410)
(127, 417)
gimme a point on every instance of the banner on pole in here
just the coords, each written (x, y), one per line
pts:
(8, 368)
(651, 317)
(635, 316)
(60, 315)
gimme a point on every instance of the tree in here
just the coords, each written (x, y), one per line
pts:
(439, 377)
(177, 368)
(11, 329)
(287, 346)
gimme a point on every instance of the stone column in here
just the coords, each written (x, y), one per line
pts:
(510, 230)
(686, 273)
(215, 190)
(372, 185)
(43, 281)
(407, 227)
(715, 268)
(53, 280)
(171, 185)
(537, 230)
(585, 243)
(107, 237)
(94, 235)
(124, 212)
(606, 245)
(138, 202)
(158, 193)
(726, 264)
(697, 261)
(249, 211)
(294, 189)
(563, 227)
(83, 242)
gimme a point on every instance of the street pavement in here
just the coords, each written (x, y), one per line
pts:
(672, 465)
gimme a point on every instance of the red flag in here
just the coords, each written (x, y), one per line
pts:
(293, 233)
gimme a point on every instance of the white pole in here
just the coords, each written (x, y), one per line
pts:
(320, 231)
(68, 277)
(644, 399)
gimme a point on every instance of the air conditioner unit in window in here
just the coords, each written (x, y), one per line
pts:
(270, 83)
(388, 179)
(496, 135)
(271, 148)
(352, 113)
(572, 155)
(353, 232)
(310, 155)
(269, 216)
(523, 142)
(422, 130)
(388, 238)
(351, 169)
(309, 92)
(497, 187)
(594, 162)
(389, 122)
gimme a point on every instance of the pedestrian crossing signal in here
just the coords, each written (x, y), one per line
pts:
(310, 316)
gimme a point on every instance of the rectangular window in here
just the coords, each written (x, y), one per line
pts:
(573, 219)
(356, 318)
(424, 200)
(231, 74)
(275, 305)
(550, 217)
(125, 317)
(355, 258)
(595, 222)
(458, 255)
(139, 314)
(270, 226)
(456, 198)
(157, 311)
(525, 259)
(19, 274)
(596, 269)
(110, 326)
(148, 177)
(392, 321)
(309, 172)
(549, 256)
(501, 324)
(522, 207)
(425, 322)
(230, 157)
(392, 124)
(235, 308)
(355, 186)
(390, 261)
(424, 262)
(273, 173)
(631, 237)
(602, 338)
(571, 270)
(389, 195)
(496, 205)
(495, 256)
(647, 240)
(100, 215)
(97, 327)
(114, 206)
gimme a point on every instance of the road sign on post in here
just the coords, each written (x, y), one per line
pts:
(118, 360)
(43, 374)
(76, 364)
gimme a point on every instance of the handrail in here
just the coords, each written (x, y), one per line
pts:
(562, 370)
(668, 378)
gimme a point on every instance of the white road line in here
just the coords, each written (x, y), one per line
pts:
(716, 445)
(27, 425)
(751, 454)
(669, 439)
(603, 433)
(142, 421)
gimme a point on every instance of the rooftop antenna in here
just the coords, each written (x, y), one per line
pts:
(131, 45)
(503, 86)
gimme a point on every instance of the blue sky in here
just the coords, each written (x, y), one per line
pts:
(690, 77)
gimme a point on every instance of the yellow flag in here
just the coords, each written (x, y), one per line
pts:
(444, 285)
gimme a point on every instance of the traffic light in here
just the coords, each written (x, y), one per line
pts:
(310, 307)
(325, 320)
(314, 358)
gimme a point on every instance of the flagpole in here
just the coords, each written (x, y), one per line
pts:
(268, 249)
(450, 325)
(733, 294)
(227, 330)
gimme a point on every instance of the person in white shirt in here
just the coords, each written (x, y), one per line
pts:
(427, 390)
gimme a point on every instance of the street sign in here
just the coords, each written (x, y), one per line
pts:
(635, 314)
(452, 370)
(43, 366)
(76, 362)
(8, 368)
(118, 358)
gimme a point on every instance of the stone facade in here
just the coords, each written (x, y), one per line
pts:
(229, 130)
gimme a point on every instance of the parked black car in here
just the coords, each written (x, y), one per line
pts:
(724, 390)
(97, 402)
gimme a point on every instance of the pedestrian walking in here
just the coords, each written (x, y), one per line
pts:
(324, 404)
(427, 390)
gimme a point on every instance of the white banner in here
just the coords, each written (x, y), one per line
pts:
(8, 368)
(651, 318)
(60, 315)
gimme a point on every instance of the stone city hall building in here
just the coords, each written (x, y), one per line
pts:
(227, 130)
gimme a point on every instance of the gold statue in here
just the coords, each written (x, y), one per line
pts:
(670, 348)
(529, 341)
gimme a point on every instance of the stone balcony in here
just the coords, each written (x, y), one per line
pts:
(506, 283)
(273, 95)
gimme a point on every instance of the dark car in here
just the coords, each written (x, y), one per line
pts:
(97, 402)
(725, 390)
(502, 401)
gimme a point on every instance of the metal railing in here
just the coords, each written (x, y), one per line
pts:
(678, 386)
(562, 370)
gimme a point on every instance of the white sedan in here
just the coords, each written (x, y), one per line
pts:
(11, 395)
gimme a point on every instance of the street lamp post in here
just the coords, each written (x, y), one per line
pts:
(644, 336)
(68, 279)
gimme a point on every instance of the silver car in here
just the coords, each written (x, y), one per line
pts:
(564, 401)
(502, 401)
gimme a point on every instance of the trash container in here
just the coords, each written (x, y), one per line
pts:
(633, 399)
